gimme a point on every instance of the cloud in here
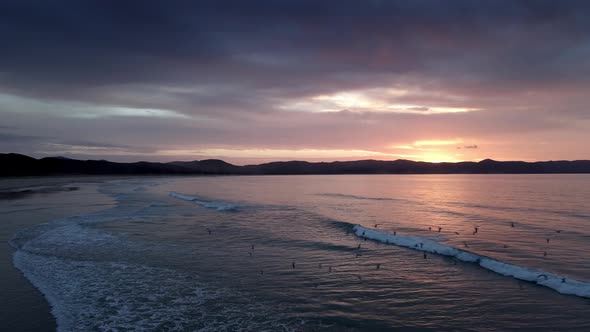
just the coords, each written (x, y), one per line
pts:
(197, 75)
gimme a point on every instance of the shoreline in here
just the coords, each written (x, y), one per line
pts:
(24, 307)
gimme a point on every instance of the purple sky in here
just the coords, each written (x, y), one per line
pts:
(252, 81)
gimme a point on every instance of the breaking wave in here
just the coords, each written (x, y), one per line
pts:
(215, 205)
(556, 282)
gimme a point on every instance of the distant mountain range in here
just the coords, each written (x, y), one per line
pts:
(12, 164)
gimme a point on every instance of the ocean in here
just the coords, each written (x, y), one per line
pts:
(312, 253)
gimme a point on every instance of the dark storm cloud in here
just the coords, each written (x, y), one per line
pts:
(71, 48)
(9, 137)
(234, 66)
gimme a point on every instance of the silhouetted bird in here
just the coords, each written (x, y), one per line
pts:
(439, 229)
(425, 256)
(563, 280)
(209, 231)
(252, 247)
(505, 246)
(394, 232)
(558, 231)
(293, 264)
(378, 266)
(511, 224)
(364, 233)
(547, 240)
(376, 225)
(475, 230)
(359, 246)
(429, 228)
(544, 254)
(457, 233)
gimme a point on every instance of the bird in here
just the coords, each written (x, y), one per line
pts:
(360, 278)
(293, 264)
(511, 224)
(558, 231)
(465, 244)
(439, 229)
(359, 246)
(457, 233)
(425, 256)
(209, 231)
(475, 229)
(505, 246)
(252, 247)
(394, 233)
(563, 280)
(376, 225)
(429, 228)
(547, 240)
(378, 266)
(364, 233)
(544, 254)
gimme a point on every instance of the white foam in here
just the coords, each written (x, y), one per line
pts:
(216, 205)
(559, 283)
(108, 296)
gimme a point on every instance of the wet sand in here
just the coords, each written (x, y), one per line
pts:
(26, 202)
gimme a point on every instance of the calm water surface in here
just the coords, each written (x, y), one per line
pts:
(277, 253)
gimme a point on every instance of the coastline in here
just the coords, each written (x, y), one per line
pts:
(23, 306)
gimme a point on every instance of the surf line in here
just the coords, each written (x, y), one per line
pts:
(556, 282)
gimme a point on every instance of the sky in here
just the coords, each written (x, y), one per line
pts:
(256, 81)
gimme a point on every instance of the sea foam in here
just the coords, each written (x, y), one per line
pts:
(215, 205)
(559, 283)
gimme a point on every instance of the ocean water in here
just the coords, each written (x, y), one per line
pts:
(309, 253)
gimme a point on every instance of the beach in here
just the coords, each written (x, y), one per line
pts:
(23, 307)
(297, 253)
